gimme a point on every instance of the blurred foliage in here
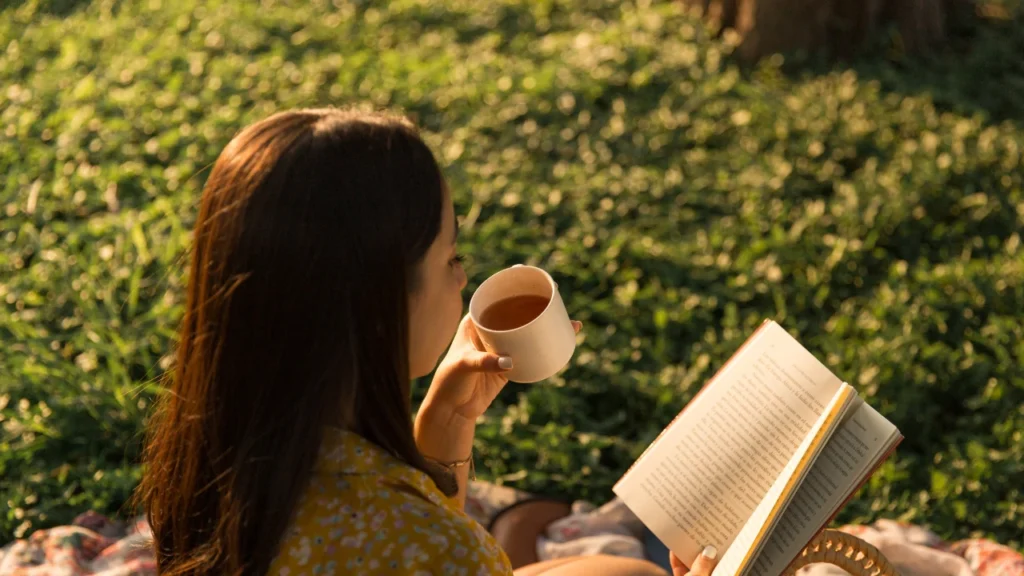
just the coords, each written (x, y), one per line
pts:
(875, 210)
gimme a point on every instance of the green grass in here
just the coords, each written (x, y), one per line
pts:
(874, 208)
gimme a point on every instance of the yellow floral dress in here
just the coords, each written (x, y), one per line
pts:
(366, 512)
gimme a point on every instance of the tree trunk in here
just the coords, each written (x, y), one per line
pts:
(840, 26)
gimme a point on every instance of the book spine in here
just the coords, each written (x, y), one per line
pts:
(835, 413)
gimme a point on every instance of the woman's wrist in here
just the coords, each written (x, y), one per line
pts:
(443, 434)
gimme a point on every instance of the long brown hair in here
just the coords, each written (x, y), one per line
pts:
(310, 230)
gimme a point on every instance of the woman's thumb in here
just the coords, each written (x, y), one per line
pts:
(704, 563)
(478, 361)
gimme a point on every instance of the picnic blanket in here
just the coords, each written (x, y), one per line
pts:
(97, 545)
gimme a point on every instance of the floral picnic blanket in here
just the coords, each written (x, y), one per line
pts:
(96, 545)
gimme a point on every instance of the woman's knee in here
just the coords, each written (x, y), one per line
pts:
(517, 528)
(592, 566)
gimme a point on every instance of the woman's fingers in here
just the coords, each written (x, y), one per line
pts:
(704, 563)
(678, 568)
(577, 326)
(702, 566)
(477, 361)
(467, 331)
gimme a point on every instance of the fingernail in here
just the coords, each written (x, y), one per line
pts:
(709, 552)
(505, 363)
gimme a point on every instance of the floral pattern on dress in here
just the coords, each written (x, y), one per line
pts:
(366, 512)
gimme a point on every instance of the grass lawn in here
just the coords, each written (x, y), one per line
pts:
(874, 208)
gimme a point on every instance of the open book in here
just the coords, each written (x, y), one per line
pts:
(760, 460)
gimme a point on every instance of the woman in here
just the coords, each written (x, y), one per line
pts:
(324, 276)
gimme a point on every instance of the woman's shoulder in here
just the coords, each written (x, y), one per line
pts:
(392, 527)
(366, 512)
(449, 533)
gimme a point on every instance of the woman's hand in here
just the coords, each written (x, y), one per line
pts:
(469, 378)
(465, 383)
(702, 566)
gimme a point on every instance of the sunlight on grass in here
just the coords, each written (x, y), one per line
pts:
(677, 200)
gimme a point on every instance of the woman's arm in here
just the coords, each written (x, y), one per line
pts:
(446, 437)
(465, 383)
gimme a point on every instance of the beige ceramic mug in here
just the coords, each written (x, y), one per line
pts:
(519, 313)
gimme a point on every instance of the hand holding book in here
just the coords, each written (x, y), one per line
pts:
(702, 566)
(759, 461)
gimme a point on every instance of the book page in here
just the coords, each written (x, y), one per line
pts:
(849, 455)
(741, 555)
(699, 482)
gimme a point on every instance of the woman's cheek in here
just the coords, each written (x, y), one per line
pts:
(457, 302)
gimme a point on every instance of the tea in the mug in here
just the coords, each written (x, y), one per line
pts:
(513, 312)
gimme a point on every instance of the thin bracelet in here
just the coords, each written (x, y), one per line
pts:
(452, 466)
